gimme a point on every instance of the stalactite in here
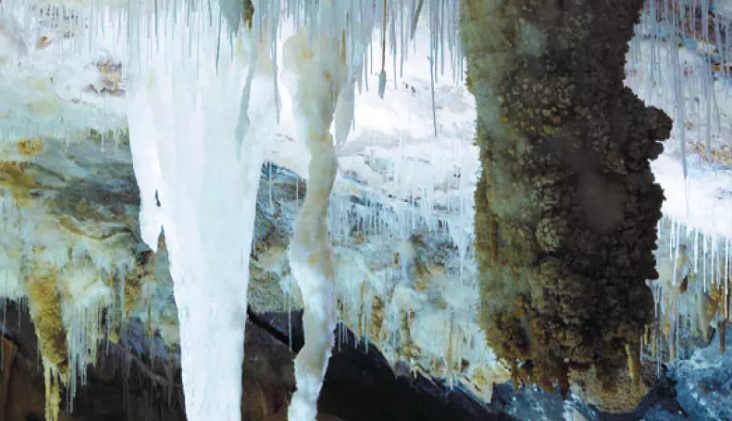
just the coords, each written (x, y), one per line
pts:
(197, 155)
(53, 392)
(566, 207)
(45, 307)
(320, 74)
(632, 349)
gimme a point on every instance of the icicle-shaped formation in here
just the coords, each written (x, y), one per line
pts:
(678, 60)
(693, 288)
(83, 318)
(190, 69)
(317, 64)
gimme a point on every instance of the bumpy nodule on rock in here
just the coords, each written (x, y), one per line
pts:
(566, 204)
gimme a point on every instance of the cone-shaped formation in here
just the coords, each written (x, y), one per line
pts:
(198, 174)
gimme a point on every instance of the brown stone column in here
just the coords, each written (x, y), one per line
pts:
(566, 205)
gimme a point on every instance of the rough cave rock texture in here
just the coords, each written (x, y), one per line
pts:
(566, 205)
(127, 384)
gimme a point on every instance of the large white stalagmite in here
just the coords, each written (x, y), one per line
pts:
(199, 180)
(317, 70)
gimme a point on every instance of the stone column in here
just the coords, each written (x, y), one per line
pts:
(566, 204)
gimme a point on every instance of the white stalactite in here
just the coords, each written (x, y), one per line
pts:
(199, 181)
(319, 74)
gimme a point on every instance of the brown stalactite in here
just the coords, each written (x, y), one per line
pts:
(566, 204)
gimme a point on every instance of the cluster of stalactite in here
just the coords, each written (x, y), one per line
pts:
(566, 204)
